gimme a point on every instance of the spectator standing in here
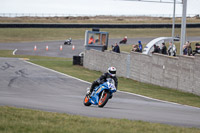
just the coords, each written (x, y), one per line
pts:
(197, 49)
(172, 49)
(156, 49)
(189, 49)
(140, 46)
(116, 48)
(185, 49)
(104, 47)
(164, 49)
(135, 48)
(91, 40)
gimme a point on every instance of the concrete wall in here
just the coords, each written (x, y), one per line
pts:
(156, 69)
(182, 72)
(197, 75)
(186, 73)
(100, 61)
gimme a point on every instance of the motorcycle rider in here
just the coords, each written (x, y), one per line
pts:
(111, 73)
(68, 41)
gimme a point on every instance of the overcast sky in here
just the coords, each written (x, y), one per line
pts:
(95, 7)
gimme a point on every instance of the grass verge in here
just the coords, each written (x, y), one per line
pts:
(162, 93)
(16, 120)
(46, 34)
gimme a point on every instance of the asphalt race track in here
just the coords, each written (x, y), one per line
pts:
(26, 85)
(27, 48)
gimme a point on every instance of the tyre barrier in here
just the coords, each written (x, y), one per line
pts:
(78, 60)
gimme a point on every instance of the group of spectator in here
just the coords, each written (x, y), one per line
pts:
(171, 50)
(162, 50)
(187, 49)
(138, 47)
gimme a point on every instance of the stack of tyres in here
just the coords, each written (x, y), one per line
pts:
(77, 60)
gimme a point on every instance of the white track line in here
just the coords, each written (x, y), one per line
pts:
(14, 51)
(117, 90)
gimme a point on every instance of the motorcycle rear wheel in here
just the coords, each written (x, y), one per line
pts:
(86, 101)
(103, 99)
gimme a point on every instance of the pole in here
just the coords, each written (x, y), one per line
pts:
(173, 26)
(183, 26)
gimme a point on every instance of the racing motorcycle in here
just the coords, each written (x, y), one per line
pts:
(101, 94)
(68, 41)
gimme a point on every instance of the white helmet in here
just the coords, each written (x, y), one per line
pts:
(112, 71)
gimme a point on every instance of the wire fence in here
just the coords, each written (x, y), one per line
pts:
(159, 1)
(90, 15)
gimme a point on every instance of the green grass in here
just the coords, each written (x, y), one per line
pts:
(24, 120)
(39, 34)
(162, 93)
(47, 34)
(16, 120)
(158, 92)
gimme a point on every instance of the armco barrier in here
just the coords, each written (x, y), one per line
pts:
(2, 25)
(181, 72)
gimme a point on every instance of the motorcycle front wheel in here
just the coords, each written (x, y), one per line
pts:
(86, 101)
(103, 98)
